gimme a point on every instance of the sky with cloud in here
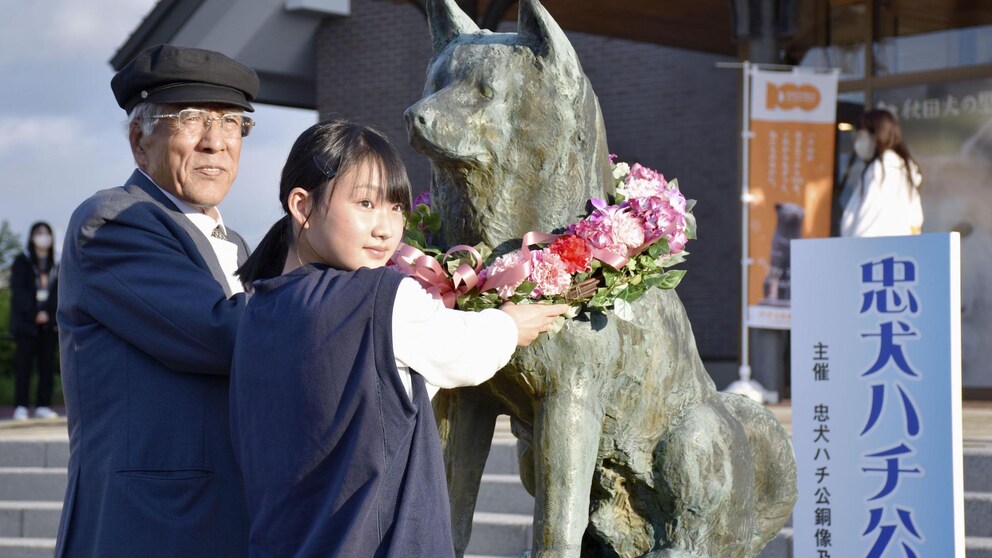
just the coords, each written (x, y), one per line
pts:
(62, 135)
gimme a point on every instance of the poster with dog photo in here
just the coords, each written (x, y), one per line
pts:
(790, 179)
(948, 127)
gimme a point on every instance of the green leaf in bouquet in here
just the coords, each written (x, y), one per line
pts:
(611, 276)
(672, 278)
(580, 277)
(673, 184)
(600, 298)
(646, 262)
(672, 259)
(634, 292)
(690, 226)
(433, 222)
(659, 248)
(415, 238)
(654, 280)
(689, 204)
(623, 310)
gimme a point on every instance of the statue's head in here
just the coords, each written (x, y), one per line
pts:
(510, 123)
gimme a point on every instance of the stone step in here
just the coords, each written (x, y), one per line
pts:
(978, 514)
(500, 534)
(502, 458)
(504, 494)
(26, 548)
(33, 483)
(43, 452)
(978, 469)
(29, 519)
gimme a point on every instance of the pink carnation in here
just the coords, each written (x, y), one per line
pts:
(548, 273)
(638, 172)
(500, 265)
(660, 215)
(642, 182)
(610, 227)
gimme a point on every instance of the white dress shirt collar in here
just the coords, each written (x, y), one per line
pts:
(225, 250)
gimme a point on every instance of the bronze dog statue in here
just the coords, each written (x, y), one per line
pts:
(623, 439)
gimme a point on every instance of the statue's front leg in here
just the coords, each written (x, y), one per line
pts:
(567, 431)
(466, 419)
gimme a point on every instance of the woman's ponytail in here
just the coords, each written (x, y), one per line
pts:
(269, 258)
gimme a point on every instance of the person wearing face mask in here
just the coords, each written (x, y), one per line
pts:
(33, 300)
(884, 198)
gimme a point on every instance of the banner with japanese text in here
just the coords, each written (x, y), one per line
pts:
(791, 166)
(876, 397)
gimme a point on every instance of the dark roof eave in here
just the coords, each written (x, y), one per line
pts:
(158, 27)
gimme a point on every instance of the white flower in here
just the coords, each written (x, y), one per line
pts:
(620, 170)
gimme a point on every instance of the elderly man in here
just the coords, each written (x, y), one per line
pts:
(148, 312)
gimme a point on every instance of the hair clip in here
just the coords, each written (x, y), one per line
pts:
(324, 166)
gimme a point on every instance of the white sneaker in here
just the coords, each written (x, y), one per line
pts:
(21, 413)
(45, 413)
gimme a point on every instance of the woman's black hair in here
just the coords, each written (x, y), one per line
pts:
(43, 265)
(322, 152)
(883, 125)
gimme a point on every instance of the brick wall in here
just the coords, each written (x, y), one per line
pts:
(667, 108)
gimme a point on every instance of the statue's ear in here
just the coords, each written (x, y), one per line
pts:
(536, 27)
(446, 21)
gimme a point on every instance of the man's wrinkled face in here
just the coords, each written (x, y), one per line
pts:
(197, 167)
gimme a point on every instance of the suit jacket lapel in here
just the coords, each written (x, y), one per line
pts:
(141, 181)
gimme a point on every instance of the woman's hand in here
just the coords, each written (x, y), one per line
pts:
(41, 318)
(532, 319)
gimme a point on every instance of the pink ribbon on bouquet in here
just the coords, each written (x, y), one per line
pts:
(432, 275)
(518, 273)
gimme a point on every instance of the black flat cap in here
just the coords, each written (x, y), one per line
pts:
(172, 75)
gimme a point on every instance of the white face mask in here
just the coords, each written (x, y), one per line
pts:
(42, 241)
(864, 145)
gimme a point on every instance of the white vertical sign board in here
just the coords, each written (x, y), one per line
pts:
(876, 397)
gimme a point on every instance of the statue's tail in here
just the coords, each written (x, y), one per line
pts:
(774, 466)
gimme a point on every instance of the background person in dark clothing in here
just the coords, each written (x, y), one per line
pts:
(33, 301)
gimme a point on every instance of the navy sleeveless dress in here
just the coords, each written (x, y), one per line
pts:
(337, 460)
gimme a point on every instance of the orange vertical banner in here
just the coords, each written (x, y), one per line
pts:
(791, 168)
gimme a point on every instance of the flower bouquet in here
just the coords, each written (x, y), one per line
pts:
(622, 248)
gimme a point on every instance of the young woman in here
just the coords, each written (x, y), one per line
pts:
(33, 285)
(884, 199)
(330, 413)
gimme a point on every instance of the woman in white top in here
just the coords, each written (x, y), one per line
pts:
(885, 200)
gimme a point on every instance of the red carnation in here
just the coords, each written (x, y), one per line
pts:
(575, 252)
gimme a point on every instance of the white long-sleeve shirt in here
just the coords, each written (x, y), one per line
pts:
(449, 348)
(885, 203)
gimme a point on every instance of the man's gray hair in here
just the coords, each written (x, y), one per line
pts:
(141, 115)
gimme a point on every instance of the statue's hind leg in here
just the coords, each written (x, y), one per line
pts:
(466, 419)
(705, 480)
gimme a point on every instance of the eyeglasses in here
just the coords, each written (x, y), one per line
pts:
(195, 122)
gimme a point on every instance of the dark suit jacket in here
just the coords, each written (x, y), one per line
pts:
(147, 333)
(24, 305)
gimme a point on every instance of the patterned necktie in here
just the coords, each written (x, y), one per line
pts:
(218, 233)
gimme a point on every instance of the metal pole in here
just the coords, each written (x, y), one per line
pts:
(744, 385)
(745, 368)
